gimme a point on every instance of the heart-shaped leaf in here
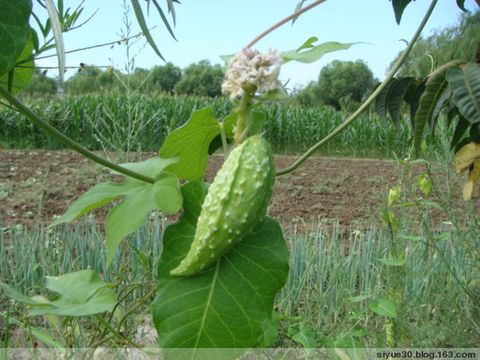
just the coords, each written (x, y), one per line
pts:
(20, 75)
(14, 31)
(230, 304)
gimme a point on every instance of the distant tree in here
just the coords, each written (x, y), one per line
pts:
(201, 79)
(307, 96)
(83, 81)
(165, 77)
(41, 84)
(105, 80)
(459, 42)
(139, 79)
(344, 84)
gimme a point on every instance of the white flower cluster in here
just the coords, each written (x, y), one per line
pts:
(251, 68)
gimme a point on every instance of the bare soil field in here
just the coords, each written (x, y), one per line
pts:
(36, 185)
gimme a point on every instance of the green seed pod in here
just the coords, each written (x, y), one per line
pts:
(236, 201)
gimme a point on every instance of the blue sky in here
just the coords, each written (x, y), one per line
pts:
(206, 29)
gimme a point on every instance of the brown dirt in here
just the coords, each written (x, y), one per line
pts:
(35, 185)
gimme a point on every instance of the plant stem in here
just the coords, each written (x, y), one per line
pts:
(94, 46)
(367, 102)
(49, 129)
(224, 139)
(243, 119)
(282, 22)
(136, 306)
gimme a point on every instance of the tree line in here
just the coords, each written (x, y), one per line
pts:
(199, 79)
(342, 85)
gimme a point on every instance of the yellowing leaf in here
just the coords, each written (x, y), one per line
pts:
(394, 195)
(466, 156)
(472, 180)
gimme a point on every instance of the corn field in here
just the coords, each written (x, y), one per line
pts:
(141, 123)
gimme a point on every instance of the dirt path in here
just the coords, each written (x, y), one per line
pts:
(35, 185)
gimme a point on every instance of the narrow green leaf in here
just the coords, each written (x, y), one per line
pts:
(398, 8)
(384, 307)
(19, 77)
(358, 298)
(190, 144)
(229, 305)
(171, 9)
(164, 18)
(434, 88)
(465, 86)
(392, 261)
(461, 5)
(143, 25)
(411, 237)
(298, 7)
(460, 129)
(57, 33)
(396, 96)
(14, 31)
(130, 214)
(314, 53)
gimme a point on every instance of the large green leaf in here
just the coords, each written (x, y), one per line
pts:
(139, 198)
(309, 53)
(230, 304)
(190, 143)
(14, 31)
(79, 293)
(465, 86)
(20, 75)
(460, 129)
(412, 97)
(398, 8)
(381, 99)
(396, 96)
(434, 89)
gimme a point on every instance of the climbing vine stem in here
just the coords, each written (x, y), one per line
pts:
(275, 26)
(367, 102)
(49, 129)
